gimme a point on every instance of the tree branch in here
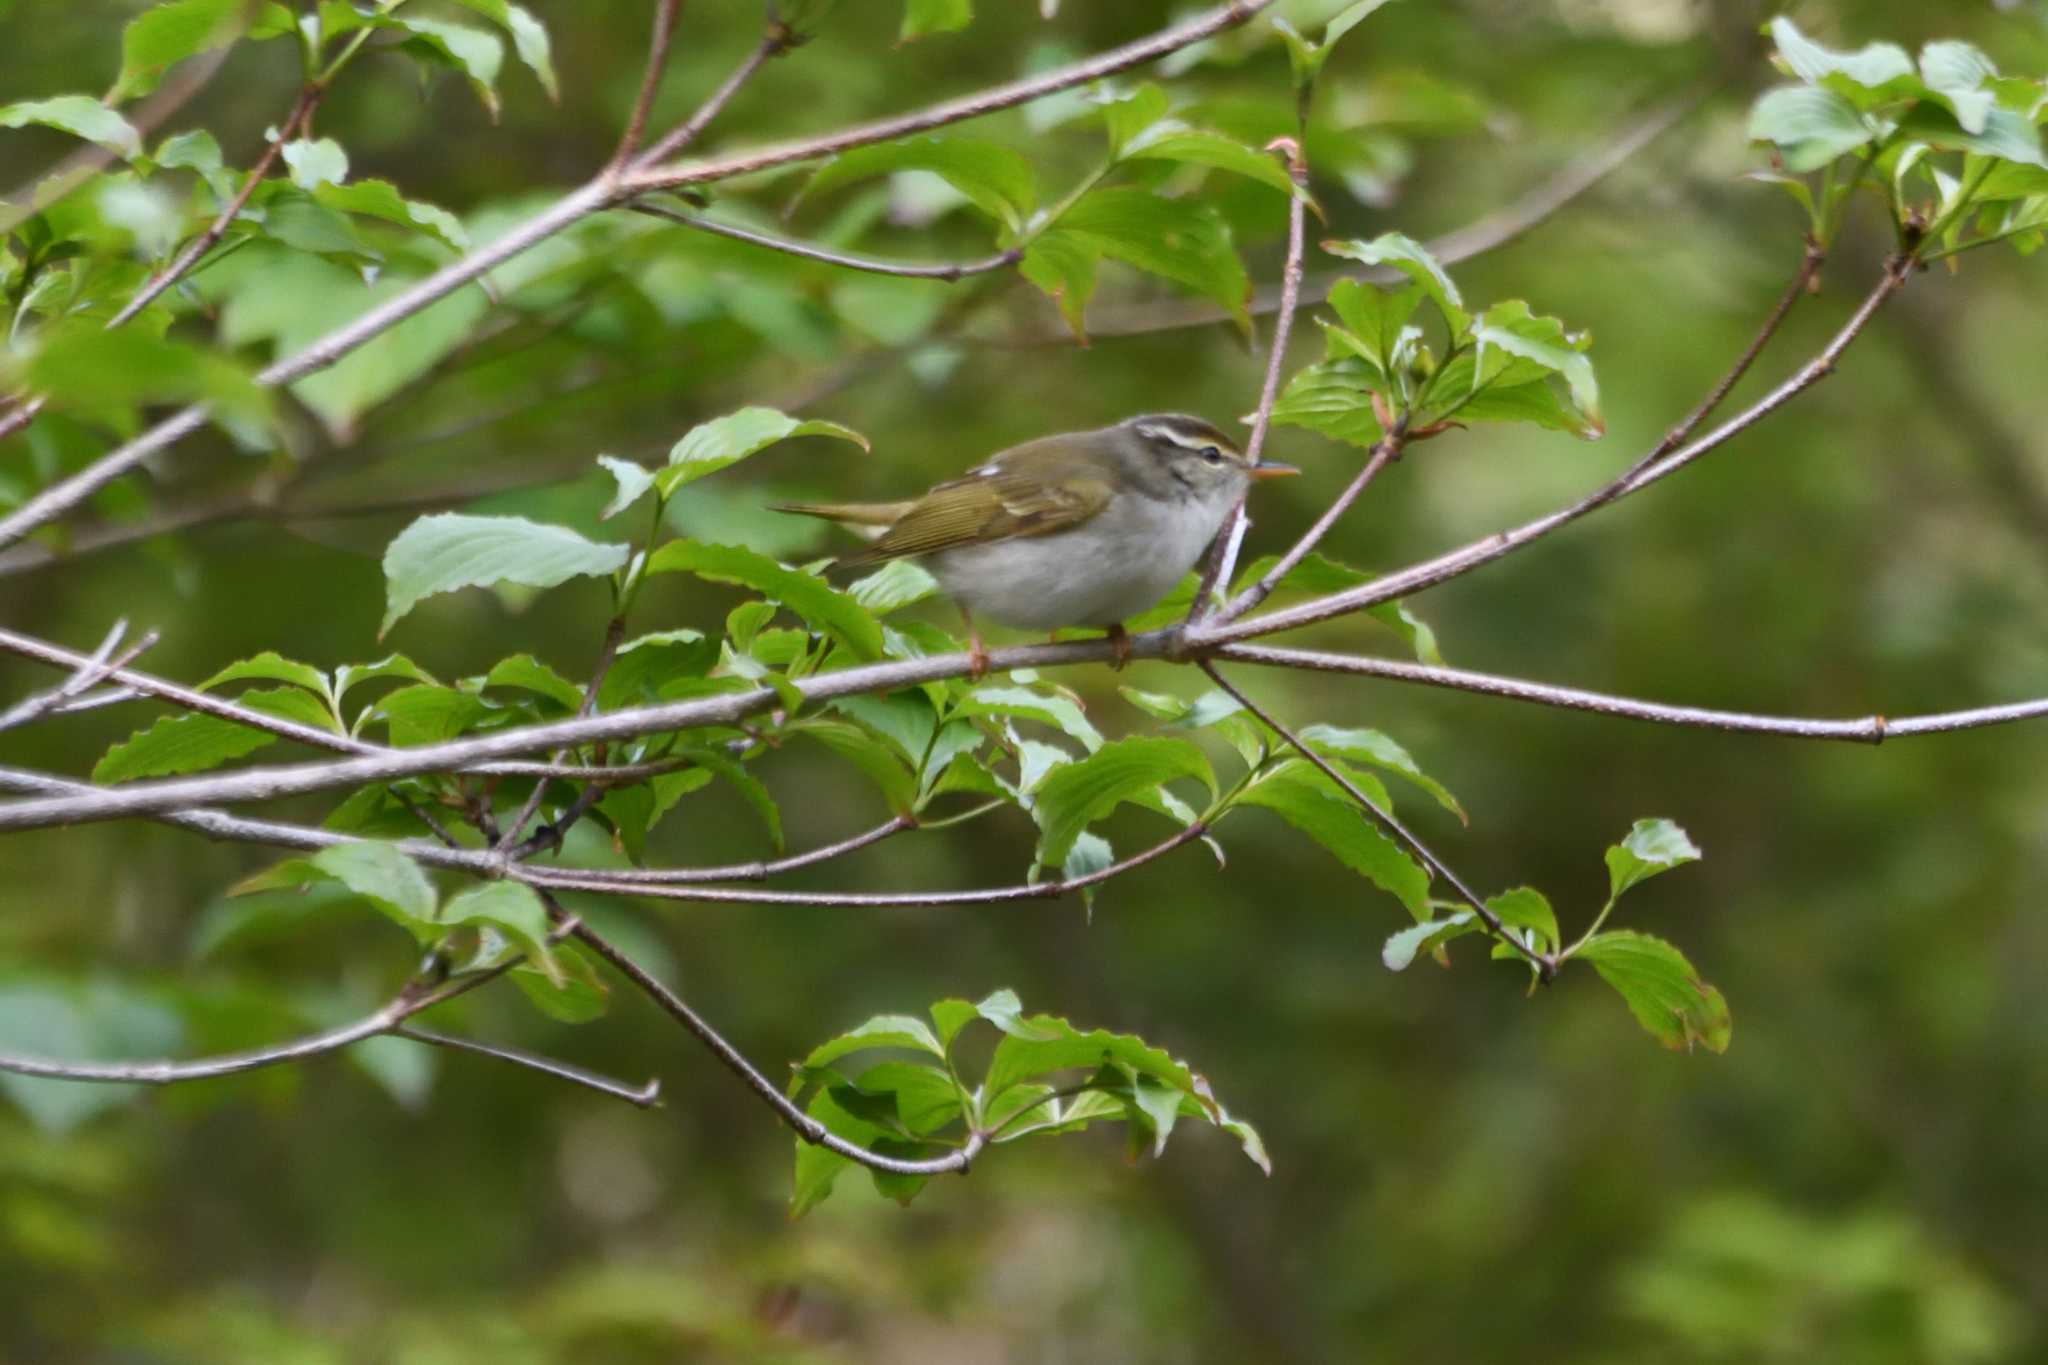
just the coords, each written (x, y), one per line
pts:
(1546, 967)
(650, 82)
(874, 265)
(1222, 558)
(647, 1096)
(301, 114)
(1638, 477)
(802, 1124)
(1861, 730)
(89, 673)
(606, 192)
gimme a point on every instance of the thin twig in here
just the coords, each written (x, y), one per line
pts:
(301, 113)
(760, 871)
(1148, 49)
(1546, 968)
(1222, 557)
(1384, 451)
(802, 1124)
(650, 81)
(1638, 477)
(1857, 730)
(773, 43)
(874, 265)
(87, 675)
(647, 1096)
(601, 193)
(614, 634)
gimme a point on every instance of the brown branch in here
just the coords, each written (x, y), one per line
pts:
(301, 114)
(1222, 558)
(614, 634)
(802, 1124)
(1149, 49)
(1546, 966)
(647, 1096)
(604, 192)
(1638, 477)
(873, 265)
(87, 675)
(650, 82)
(760, 871)
(773, 43)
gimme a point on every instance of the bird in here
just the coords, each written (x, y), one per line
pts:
(1084, 528)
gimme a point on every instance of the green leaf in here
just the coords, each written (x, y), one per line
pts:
(2006, 135)
(195, 742)
(1377, 750)
(164, 35)
(1060, 710)
(106, 375)
(1810, 126)
(1661, 989)
(380, 199)
(875, 757)
(634, 810)
(1651, 847)
(1527, 909)
(1871, 67)
(448, 550)
(271, 666)
(727, 440)
(1063, 267)
(921, 17)
(642, 665)
(197, 151)
(1056, 1045)
(529, 38)
(918, 1097)
(1348, 18)
(1128, 114)
(632, 480)
(316, 162)
(1180, 239)
(1309, 801)
(1374, 317)
(1076, 795)
(1318, 576)
(579, 997)
(995, 179)
(1412, 259)
(1335, 399)
(1171, 140)
(751, 789)
(810, 597)
(530, 674)
(1957, 72)
(472, 51)
(512, 908)
(1402, 948)
(427, 714)
(904, 1031)
(385, 877)
(1543, 343)
(897, 584)
(348, 676)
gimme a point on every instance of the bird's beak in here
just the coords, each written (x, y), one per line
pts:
(1271, 469)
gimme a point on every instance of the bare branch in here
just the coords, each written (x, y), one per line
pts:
(1149, 49)
(657, 61)
(1222, 557)
(601, 193)
(1528, 212)
(86, 675)
(874, 265)
(773, 43)
(1862, 730)
(647, 1096)
(761, 871)
(1546, 968)
(1636, 478)
(300, 115)
(614, 633)
(804, 1126)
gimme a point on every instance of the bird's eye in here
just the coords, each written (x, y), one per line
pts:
(1212, 454)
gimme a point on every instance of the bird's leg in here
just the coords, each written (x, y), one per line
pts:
(977, 652)
(1120, 642)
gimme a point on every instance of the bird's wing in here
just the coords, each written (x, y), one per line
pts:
(996, 504)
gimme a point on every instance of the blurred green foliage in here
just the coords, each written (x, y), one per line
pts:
(1855, 1179)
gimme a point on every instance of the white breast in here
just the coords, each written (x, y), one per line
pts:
(1107, 569)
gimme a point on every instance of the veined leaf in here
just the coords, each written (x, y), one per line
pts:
(449, 550)
(1661, 989)
(994, 178)
(81, 116)
(1076, 795)
(711, 446)
(1652, 846)
(195, 742)
(1309, 801)
(808, 596)
(1412, 259)
(164, 35)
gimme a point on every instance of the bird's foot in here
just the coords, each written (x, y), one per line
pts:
(1120, 645)
(977, 656)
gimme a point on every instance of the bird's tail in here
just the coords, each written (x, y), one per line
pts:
(878, 515)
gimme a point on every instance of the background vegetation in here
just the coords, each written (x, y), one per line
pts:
(1460, 1172)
